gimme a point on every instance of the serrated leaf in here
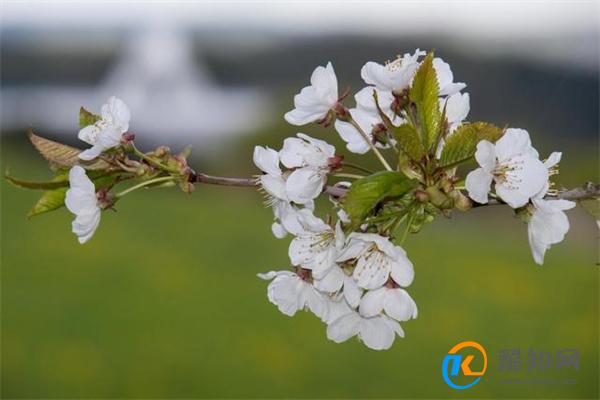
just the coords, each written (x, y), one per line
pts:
(461, 145)
(424, 93)
(409, 141)
(366, 193)
(50, 200)
(87, 118)
(62, 155)
(57, 182)
(592, 206)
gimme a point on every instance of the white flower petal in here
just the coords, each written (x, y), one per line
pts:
(457, 108)
(352, 292)
(371, 303)
(398, 304)
(344, 327)
(514, 142)
(523, 182)
(478, 184)
(314, 102)
(402, 271)
(376, 333)
(305, 184)
(267, 160)
(332, 281)
(89, 134)
(485, 154)
(115, 112)
(553, 159)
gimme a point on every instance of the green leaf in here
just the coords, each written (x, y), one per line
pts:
(87, 118)
(58, 182)
(408, 140)
(424, 93)
(592, 206)
(461, 145)
(62, 155)
(366, 193)
(50, 200)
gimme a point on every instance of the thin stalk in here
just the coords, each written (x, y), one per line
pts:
(144, 184)
(150, 160)
(351, 176)
(366, 137)
(405, 234)
(358, 167)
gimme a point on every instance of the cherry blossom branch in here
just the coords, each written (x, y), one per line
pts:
(587, 191)
(335, 191)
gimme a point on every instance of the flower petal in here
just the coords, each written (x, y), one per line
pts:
(398, 304)
(344, 327)
(376, 334)
(478, 184)
(371, 303)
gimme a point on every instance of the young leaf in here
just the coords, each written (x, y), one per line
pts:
(50, 200)
(424, 93)
(461, 145)
(87, 118)
(58, 182)
(62, 155)
(408, 140)
(366, 193)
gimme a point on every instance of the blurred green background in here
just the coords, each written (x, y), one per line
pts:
(164, 301)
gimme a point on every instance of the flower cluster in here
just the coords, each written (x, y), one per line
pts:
(347, 267)
(521, 180)
(350, 272)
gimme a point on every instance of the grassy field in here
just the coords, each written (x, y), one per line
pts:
(164, 302)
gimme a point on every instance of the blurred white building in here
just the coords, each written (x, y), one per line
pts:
(157, 76)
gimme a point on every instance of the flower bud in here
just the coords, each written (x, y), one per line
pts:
(438, 198)
(341, 112)
(105, 198)
(421, 196)
(335, 162)
(187, 187)
(161, 151)
(461, 202)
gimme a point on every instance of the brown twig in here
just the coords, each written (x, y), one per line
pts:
(335, 191)
(588, 191)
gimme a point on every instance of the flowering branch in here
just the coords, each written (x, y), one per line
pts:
(349, 268)
(585, 192)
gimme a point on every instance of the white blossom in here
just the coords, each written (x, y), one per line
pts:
(392, 77)
(548, 224)
(355, 142)
(313, 102)
(396, 302)
(377, 333)
(309, 159)
(366, 102)
(335, 280)
(81, 200)
(376, 260)
(288, 217)
(457, 109)
(317, 248)
(291, 293)
(512, 164)
(106, 133)
(445, 78)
